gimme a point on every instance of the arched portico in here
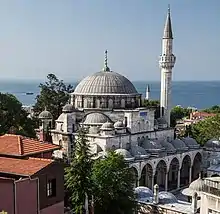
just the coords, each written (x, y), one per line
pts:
(160, 177)
(185, 171)
(146, 176)
(135, 174)
(173, 174)
(196, 167)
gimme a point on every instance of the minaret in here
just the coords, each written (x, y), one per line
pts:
(147, 93)
(166, 62)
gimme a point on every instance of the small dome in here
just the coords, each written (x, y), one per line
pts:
(107, 126)
(95, 118)
(152, 146)
(212, 144)
(68, 108)
(119, 125)
(125, 153)
(191, 143)
(144, 194)
(139, 152)
(45, 115)
(196, 186)
(167, 198)
(168, 146)
(179, 145)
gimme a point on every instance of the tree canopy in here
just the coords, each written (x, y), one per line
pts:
(54, 94)
(206, 129)
(13, 118)
(108, 183)
(214, 109)
(113, 185)
(178, 113)
(78, 174)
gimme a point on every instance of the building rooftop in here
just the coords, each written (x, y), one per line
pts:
(23, 167)
(17, 145)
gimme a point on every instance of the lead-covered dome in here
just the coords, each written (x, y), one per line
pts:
(106, 89)
(45, 115)
(95, 118)
(144, 194)
(191, 143)
(213, 144)
(196, 186)
(105, 82)
(167, 198)
(179, 145)
(125, 153)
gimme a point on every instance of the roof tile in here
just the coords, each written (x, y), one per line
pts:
(25, 167)
(20, 146)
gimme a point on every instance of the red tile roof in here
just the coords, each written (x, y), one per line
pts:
(21, 146)
(23, 167)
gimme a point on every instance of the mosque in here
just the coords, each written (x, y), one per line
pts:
(108, 105)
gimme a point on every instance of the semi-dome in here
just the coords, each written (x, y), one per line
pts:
(105, 82)
(179, 145)
(107, 126)
(168, 146)
(119, 125)
(144, 194)
(191, 143)
(196, 186)
(167, 198)
(45, 115)
(96, 118)
(139, 152)
(68, 108)
(212, 144)
(125, 153)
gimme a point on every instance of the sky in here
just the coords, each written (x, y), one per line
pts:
(69, 37)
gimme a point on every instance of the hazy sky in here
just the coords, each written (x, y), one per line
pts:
(68, 38)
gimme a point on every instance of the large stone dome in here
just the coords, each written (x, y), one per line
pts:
(106, 89)
(105, 83)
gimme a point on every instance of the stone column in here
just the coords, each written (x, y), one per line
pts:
(190, 174)
(166, 182)
(152, 182)
(178, 179)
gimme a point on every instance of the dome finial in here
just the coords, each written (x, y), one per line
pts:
(106, 68)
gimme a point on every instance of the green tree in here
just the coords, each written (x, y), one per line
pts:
(113, 186)
(214, 109)
(78, 174)
(54, 94)
(14, 118)
(206, 129)
(178, 113)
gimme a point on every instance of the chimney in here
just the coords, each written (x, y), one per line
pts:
(156, 194)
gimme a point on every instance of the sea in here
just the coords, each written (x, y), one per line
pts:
(186, 93)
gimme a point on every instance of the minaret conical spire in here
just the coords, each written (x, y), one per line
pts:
(106, 68)
(168, 34)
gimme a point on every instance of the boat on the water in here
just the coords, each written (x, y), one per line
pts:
(29, 93)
